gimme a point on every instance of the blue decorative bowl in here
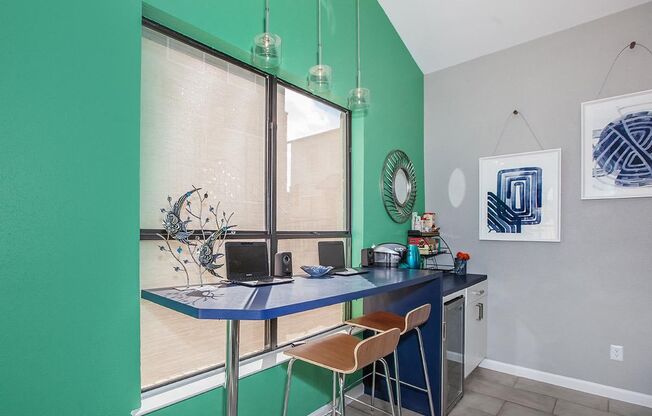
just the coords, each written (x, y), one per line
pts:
(317, 271)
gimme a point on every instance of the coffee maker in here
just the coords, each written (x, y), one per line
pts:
(389, 254)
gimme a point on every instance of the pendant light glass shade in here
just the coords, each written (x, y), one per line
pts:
(267, 50)
(319, 76)
(359, 98)
(267, 46)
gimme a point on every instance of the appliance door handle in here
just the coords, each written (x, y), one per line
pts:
(478, 292)
(444, 331)
(480, 307)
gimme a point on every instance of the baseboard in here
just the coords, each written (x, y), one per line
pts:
(454, 356)
(356, 392)
(570, 383)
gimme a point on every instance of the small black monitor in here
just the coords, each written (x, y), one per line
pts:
(331, 253)
(245, 260)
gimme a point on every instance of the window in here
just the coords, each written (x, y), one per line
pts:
(205, 122)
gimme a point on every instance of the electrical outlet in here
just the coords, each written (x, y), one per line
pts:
(617, 353)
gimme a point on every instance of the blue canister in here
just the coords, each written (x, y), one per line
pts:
(413, 257)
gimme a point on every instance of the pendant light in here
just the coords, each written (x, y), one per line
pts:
(320, 75)
(267, 46)
(359, 98)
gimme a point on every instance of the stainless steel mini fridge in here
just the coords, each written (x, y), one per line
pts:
(453, 353)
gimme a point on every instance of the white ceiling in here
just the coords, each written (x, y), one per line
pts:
(443, 33)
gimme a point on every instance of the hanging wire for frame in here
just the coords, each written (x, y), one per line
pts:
(514, 114)
(630, 46)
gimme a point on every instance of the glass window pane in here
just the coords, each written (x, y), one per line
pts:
(311, 157)
(174, 345)
(300, 325)
(202, 124)
(303, 324)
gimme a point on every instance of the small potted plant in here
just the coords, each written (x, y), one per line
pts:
(460, 263)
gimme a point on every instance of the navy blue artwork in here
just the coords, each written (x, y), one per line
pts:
(500, 217)
(517, 201)
(624, 151)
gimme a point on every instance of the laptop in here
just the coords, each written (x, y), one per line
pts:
(331, 253)
(247, 264)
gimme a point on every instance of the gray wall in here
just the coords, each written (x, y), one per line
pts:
(554, 307)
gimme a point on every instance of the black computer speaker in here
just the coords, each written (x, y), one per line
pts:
(367, 257)
(283, 264)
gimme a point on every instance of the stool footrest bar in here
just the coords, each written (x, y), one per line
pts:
(368, 405)
(358, 381)
(410, 385)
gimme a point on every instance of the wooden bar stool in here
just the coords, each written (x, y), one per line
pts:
(344, 354)
(384, 321)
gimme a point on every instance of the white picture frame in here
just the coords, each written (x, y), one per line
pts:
(526, 197)
(624, 172)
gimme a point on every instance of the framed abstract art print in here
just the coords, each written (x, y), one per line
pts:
(617, 147)
(520, 196)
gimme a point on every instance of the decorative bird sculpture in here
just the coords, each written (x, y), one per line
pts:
(173, 224)
(206, 257)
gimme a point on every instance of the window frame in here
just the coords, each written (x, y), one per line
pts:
(271, 234)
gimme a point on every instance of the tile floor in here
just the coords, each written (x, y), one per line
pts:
(490, 393)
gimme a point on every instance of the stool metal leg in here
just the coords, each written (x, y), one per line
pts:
(389, 386)
(373, 381)
(342, 398)
(287, 387)
(373, 384)
(398, 384)
(334, 405)
(425, 371)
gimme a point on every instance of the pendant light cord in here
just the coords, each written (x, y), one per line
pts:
(319, 47)
(359, 75)
(266, 16)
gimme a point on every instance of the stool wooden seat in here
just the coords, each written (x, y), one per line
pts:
(379, 321)
(335, 353)
(384, 321)
(344, 354)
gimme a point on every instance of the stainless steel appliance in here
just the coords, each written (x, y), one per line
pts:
(389, 254)
(453, 353)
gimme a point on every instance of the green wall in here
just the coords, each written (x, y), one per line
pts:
(69, 129)
(69, 155)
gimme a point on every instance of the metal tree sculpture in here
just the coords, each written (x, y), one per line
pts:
(202, 245)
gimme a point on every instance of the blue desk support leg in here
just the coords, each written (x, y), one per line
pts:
(232, 366)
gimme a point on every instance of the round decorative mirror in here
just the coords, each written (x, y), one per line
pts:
(398, 186)
(401, 187)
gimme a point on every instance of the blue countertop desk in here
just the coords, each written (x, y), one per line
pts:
(234, 303)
